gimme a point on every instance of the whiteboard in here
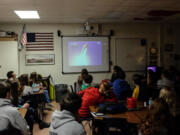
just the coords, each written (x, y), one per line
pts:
(130, 54)
(8, 57)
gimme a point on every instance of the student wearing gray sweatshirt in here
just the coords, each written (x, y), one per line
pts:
(9, 116)
(64, 121)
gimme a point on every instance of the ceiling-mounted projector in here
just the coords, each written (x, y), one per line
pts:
(86, 26)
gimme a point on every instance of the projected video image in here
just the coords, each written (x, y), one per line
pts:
(85, 53)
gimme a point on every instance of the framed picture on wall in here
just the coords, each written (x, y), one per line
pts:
(40, 59)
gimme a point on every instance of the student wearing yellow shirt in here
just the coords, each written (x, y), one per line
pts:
(136, 92)
(140, 91)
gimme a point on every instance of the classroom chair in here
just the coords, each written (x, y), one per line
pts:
(115, 126)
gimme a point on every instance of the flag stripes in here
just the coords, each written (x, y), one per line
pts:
(40, 42)
(24, 36)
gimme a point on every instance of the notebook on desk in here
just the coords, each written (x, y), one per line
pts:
(96, 114)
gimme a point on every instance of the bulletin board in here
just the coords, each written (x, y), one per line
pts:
(130, 54)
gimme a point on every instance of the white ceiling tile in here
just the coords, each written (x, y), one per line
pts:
(62, 11)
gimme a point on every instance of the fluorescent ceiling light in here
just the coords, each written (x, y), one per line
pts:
(27, 14)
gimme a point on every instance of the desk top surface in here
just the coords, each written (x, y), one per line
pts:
(131, 116)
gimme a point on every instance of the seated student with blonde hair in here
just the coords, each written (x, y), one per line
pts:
(65, 120)
(10, 117)
(158, 120)
(169, 95)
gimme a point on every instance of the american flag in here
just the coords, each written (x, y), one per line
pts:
(40, 42)
(24, 36)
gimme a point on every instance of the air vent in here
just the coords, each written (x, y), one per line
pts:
(162, 13)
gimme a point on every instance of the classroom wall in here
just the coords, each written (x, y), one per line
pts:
(171, 38)
(151, 32)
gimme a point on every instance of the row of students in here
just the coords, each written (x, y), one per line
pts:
(120, 86)
(21, 95)
(75, 107)
(155, 81)
(67, 117)
(162, 118)
(27, 101)
(168, 103)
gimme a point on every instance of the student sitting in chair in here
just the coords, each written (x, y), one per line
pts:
(80, 80)
(24, 83)
(64, 121)
(165, 80)
(170, 96)
(158, 120)
(121, 88)
(35, 81)
(93, 96)
(11, 76)
(140, 91)
(10, 115)
(116, 70)
(87, 82)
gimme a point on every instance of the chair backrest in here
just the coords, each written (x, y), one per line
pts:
(72, 90)
(60, 90)
(76, 87)
(125, 94)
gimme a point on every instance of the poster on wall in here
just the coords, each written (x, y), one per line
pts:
(40, 59)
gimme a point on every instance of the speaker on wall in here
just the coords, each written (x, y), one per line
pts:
(59, 33)
(143, 42)
(111, 33)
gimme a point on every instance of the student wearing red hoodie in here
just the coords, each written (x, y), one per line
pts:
(92, 96)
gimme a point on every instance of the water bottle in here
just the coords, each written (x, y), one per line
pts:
(145, 105)
(150, 102)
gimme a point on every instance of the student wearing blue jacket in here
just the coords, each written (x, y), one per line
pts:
(121, 88)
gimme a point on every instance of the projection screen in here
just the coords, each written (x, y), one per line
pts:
(85, 52)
